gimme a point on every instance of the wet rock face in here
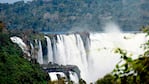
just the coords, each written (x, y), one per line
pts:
(22, 45)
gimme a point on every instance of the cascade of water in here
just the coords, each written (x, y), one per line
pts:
(70, 50)
(54, 50)
(74, 77)
(60, 56)
(54, 76)
(81, 48)
(96, 61)
(32, 51)
(75, 53)
(83, 55)
(21, 44)
(40, 54)
(50, 51)
(66, 51)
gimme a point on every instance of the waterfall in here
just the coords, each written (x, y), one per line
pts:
(50, 51)
(81, 48)
(92, 53)
(32, 51)
(54, 76)
(60, 57)
(99, 59)
(73, 77)
(70, 50)
(22, 45)
(40, 54)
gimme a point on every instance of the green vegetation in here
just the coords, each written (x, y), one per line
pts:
(131, 71)
(108, 79)
(14, 69)
(64, 15)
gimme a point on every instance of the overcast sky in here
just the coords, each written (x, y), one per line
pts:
(12, 1)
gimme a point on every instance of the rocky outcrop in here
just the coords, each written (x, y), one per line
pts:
(53, 67)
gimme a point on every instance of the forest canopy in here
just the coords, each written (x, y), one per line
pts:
(14, 69)
(66, 15)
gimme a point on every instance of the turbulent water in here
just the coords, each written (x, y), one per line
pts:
(102, 56)
(93, 53)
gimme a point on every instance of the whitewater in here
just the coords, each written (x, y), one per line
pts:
(93, 53)
(98, 58)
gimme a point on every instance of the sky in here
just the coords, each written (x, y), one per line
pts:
(12, 1)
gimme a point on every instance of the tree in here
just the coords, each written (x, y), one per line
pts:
(14, 69)
(1, 26)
